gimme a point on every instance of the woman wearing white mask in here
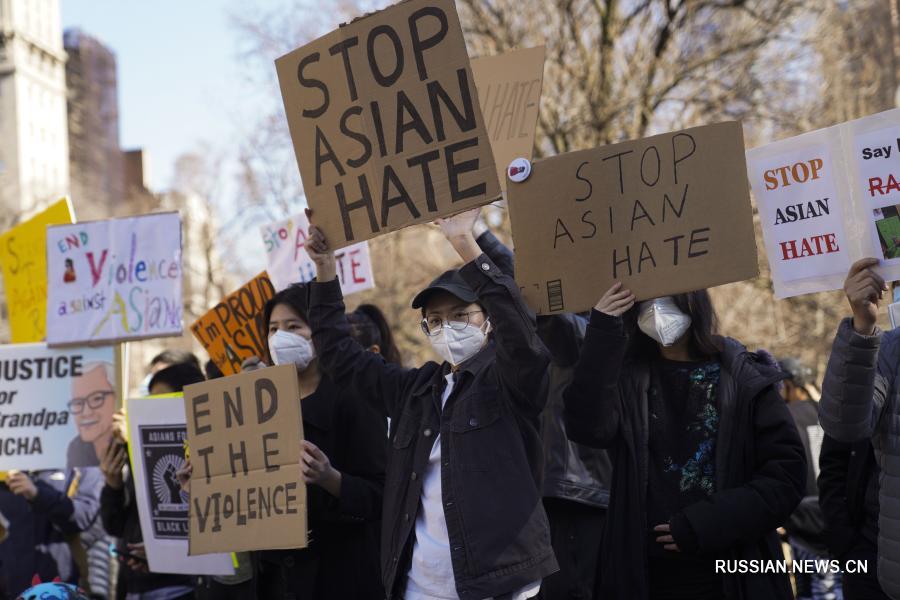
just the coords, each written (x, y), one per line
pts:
(343, 464)
(463, 516)
(707, 461)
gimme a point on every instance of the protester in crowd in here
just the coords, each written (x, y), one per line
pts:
(118, 505)
(370, 329)
(848, 495)
(164, 359)
(806, 527)
(859, 402)
(212, 370)
(576, 477)
(343, 555)
(463, 514)
(43, 513)
(92, 406)
(707, 461)
(343, 458)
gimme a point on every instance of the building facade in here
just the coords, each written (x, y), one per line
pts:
(96, 162)
(34, 149)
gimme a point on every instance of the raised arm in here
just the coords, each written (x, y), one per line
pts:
(562, 334)
(593, 403)
(349, 365)
(495, 249)
(860, 372)
(522, 359)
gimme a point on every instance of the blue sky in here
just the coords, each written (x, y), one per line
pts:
(180, 80)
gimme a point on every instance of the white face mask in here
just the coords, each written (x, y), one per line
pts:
(457, 347)
(662, 320)
(144, 387)
(289, 348)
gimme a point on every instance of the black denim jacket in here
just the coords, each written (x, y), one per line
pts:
(490, 439)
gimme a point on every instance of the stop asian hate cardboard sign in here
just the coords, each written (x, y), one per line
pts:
(385, 121)
(663, 215)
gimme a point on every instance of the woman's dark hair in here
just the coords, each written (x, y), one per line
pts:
(369, 327)
(178, 376)
(295, 297)
(704, 324)
(213, 371)
(174, 357)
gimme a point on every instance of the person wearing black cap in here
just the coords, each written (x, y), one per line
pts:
(463, 516)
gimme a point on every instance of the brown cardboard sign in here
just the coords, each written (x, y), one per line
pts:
(244, 433)
(509, 90)
(665, 215)
(233, 330)
(384, 117)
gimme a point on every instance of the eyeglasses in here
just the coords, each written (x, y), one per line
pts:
(432, 325)
(94, 400)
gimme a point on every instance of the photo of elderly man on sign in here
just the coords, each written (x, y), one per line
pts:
(92, 407)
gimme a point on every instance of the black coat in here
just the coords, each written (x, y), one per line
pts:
(760, 464)
(341, 560)
(490, 440)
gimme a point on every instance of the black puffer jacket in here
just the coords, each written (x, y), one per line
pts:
(760, 464)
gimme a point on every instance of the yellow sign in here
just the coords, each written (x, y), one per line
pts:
(23, 256)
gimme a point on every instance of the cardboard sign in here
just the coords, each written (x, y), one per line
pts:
(56, 406)
(244, 433)
(509, 91)
(157, 429)
(233, 330)
(118, 279)
(24, 259)
(385, 122)
(663, 215)
(828, 198)
(290, 263)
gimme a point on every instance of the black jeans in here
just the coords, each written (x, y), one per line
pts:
(862, 586)
(575, 533)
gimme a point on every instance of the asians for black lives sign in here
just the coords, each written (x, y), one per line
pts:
(828, 198)
(244, 434)
(663, 215)
(386, 124)
(56, 406)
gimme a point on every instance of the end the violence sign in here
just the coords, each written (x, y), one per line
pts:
(245, 432)
(386, 124)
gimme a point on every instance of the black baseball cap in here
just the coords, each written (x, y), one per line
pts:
(450, 281)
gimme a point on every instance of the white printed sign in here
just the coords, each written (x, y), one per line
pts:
(56, 406)
(157, 430)
(118, 279)
(288, 261)
(828, 198)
